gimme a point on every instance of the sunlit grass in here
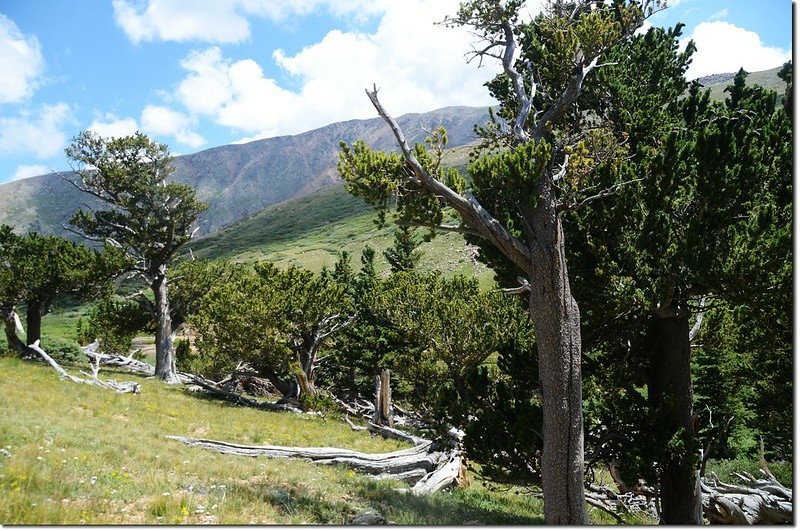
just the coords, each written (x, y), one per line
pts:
(75, 454)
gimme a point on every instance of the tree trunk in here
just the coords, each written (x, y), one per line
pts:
(288, 388)
(384, 414)
(33, 323)
(10, 325)
(165, 349)
(556, 321)
(670, 394)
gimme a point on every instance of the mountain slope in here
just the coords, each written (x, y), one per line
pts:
(241, 179)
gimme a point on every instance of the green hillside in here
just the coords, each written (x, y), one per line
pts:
(767, 78)
(310, 231)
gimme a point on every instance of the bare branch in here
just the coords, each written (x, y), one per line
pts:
(523, 288)
(472, 211)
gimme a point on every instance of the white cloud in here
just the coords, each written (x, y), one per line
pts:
(21, 62)
(37, 133)
(221, 21)
(158, 120)
(416, 70)
(722, 13)
(29, 170)
(181, 20)
(723, 47)
(111, 126)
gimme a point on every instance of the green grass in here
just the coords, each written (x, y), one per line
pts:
(309, 232)
(75, 454)
(725, 469)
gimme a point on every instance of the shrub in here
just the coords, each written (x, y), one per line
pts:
(63, 350)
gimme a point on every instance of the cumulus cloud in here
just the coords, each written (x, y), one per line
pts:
(39, 133)
(181, 20)
(29, 170)
(416, 71)
(725, 47)
(21, 62)
(221, 21)
(158, 120)
(112, 126)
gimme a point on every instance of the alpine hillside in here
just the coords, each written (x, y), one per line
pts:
(239, 180)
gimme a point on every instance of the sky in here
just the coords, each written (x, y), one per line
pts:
(196, 74)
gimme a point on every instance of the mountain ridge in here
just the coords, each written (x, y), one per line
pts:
(239, 180)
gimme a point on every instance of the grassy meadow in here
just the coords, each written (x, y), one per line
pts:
(75, 454)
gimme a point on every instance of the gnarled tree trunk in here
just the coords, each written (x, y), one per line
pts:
(165, 348)
(556, 320)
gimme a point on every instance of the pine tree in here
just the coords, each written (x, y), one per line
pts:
(149, 218)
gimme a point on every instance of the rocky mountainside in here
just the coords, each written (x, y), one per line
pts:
(239, 180)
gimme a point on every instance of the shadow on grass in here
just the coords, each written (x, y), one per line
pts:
(457, 507)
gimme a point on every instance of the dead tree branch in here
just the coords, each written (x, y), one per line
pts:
(113, 385)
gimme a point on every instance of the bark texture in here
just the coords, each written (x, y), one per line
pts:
(165, 348)
(426, 467)
(383, 400)
(670, 394)
(556, 319)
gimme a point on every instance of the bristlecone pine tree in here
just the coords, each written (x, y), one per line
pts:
(150, 218)
(519, 196)
(709, 181)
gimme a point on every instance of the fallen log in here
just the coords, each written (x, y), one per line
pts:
(757, 502)
(215, 390)
(424, 466)
(116, 360)
(211, 388)
(387, 432)
(113, 385)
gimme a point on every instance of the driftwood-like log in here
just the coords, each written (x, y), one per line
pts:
(117, 360)
(757, 502)
(113, 385)
(387, 432)
(215, 390)
(423, 466)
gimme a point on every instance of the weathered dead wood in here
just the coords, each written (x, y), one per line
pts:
(383, 400)
(116, 360)
(113, 385)
(757, 502)
(387, 432)
(424, 466)
(215, 390)
(619, 504)
(446, 474)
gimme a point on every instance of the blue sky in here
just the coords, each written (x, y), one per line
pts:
(201, 73)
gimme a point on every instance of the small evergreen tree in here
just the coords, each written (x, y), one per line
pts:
(403, 254)
(149, 218)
